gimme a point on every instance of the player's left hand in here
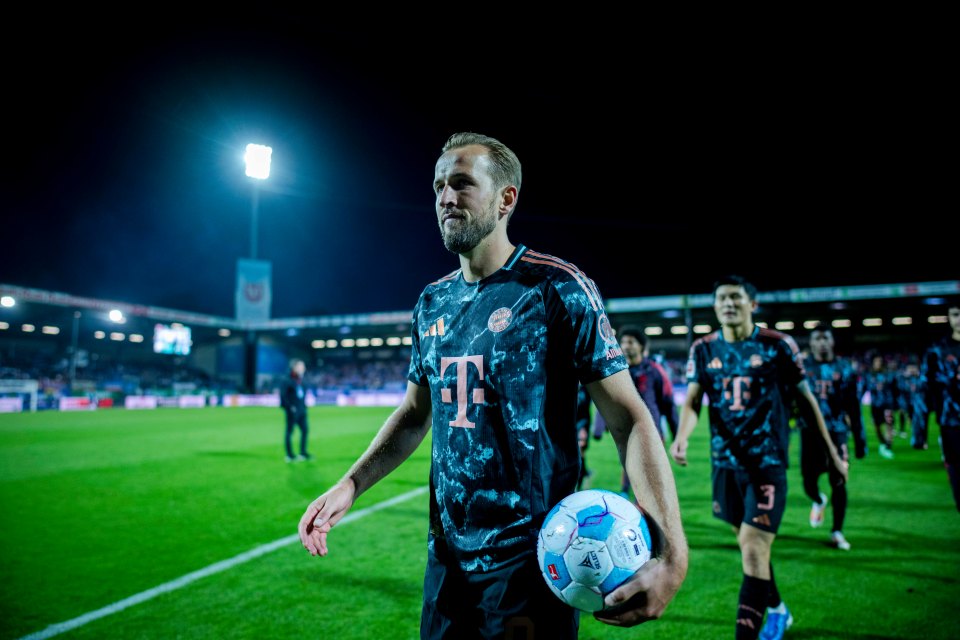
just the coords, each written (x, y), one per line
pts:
(643, 597)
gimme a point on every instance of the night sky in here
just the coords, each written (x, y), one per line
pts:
(654, 170)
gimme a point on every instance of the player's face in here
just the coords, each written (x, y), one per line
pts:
(954, 316)
(467, 201)
(821, 345)
(299, 368)
(631, 349)
(733, 306)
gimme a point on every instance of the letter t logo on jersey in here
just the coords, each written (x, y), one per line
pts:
(461, 384)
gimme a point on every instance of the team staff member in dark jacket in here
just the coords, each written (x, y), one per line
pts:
(293, 403)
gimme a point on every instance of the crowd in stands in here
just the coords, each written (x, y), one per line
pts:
(177, 377)
(377, 375)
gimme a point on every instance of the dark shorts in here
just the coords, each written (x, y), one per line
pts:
(512, 602)
(757, 498)
(814, 457)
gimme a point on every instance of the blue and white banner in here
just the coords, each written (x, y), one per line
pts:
(253, 290)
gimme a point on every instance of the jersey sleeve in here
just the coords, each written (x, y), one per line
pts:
(596, 353)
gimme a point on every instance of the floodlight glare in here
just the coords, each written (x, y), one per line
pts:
(7, 301)
(116, 315)
(257, 158)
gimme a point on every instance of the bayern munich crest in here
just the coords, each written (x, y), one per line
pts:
(606, 331)
(499, 319)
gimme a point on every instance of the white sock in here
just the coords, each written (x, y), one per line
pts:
(780, 608)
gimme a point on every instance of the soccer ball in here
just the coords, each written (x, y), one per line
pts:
(591, 543)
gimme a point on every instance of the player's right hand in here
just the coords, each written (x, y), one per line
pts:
(322, 514)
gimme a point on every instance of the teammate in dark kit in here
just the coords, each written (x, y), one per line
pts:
(881, 383)
(499, 348)
(749, 375)
(652, 382)
(833, 382)
(940, 383)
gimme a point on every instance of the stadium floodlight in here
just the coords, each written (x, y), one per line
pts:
(115, 315)
(257, 159)
(7, 301)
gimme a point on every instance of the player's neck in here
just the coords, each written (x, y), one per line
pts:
(738, 332)
(486, 258)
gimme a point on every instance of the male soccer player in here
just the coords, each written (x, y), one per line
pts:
(881, 383)
(907, 384)
(499, 348)
(940, 382)
(652, 382)
(749, 374)
(834, 384)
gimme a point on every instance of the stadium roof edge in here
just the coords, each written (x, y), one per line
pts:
(614, 305)
(41, 296)
(792, 296)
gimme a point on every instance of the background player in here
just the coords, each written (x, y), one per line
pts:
(833, 382)
(749, 374)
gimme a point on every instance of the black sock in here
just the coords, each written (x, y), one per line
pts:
(773, 600)
(839, 498)
(754, 593)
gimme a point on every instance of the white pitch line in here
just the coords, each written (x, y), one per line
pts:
(217, 567)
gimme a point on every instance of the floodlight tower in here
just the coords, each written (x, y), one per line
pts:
(257, 159)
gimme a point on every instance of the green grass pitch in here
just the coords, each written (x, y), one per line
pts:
(96, 507)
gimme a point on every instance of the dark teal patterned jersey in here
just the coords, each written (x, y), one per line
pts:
(882, 386)
(503, 358)
(834, 385)
(940, 379)
(749, 385)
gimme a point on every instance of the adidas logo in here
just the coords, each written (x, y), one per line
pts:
(435, 329)
(763, 519)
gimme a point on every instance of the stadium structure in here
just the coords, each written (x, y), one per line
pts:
(56, 345)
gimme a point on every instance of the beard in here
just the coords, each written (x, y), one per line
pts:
(468, 232)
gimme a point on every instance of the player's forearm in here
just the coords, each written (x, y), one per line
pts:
(399, 437)
(689, 416)
(652, 480)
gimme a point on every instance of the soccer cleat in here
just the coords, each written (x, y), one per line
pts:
(290, 458)
(304, 456)
(886, 452)
(839, 541)
(816, 511)
(778, 621)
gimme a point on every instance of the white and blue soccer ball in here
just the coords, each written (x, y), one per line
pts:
(591, 543)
